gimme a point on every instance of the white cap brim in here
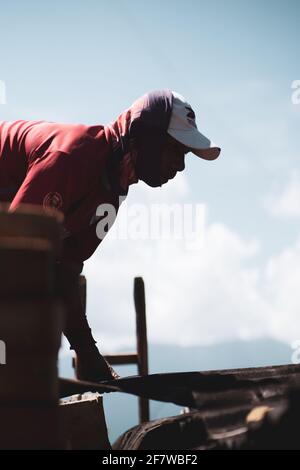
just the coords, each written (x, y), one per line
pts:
(196, 142)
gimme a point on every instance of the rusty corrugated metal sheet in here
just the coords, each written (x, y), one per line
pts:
(199, 389)
(255, 408)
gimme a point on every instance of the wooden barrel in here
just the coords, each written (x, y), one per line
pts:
(26, 266)
(30, 329)
(29, 426)
(28, 221)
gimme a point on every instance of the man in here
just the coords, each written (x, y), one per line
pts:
(75, 168)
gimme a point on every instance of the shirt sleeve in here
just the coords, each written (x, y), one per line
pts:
(50, 183)
(46, 184)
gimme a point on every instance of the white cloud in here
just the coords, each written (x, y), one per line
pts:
(212, 294)
(286, 203)
(282, 281)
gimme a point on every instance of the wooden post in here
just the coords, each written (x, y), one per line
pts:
(141, 356)
(142, 346)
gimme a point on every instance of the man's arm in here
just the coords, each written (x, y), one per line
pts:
(48, 183)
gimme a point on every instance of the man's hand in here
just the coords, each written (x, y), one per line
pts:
(90, 365)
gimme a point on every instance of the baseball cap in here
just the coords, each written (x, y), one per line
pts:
(183, 128)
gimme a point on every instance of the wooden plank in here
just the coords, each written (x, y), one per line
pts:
(122, 358)
(83, 425)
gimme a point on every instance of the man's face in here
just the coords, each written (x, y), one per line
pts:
(172, 159)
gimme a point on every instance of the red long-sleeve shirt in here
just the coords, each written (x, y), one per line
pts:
(58, 165)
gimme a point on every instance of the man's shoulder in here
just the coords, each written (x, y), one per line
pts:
(69, 138)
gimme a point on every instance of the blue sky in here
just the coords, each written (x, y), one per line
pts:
(235, 62)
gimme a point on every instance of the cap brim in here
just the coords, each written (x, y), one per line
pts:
(197, 143)
(208, 154)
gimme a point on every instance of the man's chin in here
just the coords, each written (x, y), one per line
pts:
(164, 181)
(152, 183)
(168, 178)
(157, 183)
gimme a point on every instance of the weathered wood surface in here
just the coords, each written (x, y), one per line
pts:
(30, 328)
(82, 423)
